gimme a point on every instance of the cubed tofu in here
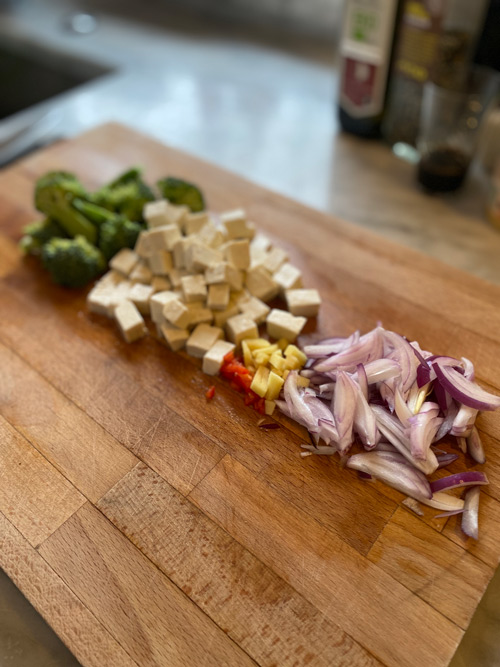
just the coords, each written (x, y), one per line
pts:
(130, 321)
(99, 301)
(260, 242)
(124, 261)
(236, 225)
(303, 302)
(255, 309)
(160, 283)
(257, 257)
(199, 257)
(218, 296)
(260, 381)
(222, 316)
(259, 283)
(108, 293)
(214, 357)
(141, 273)
(179, 252)
(174, 337)
(155, 213)
(288, 277)
(160, 262)
(140, 295)
(282, 324)
(210, 236)
(237, 253)
(199, 314)
(194, 288)
(176, 313)
(275, 258)
(157, 303)
(175, 276)
(202, 339)
(240, 327)
(222, 272)
(194, 222)
(163, 238)
(274, 384)
(142, 245)
(176, 215)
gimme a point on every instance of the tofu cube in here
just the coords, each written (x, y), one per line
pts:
(202, 339)
(261, 284)
(141, 273)
(274, 384)
(260, 242)
(288, 277)
(130, 321)
(199, 314)
(157, 303)
(194, 222)
(160, 262)
(222, 272)
(257, 257)
(236, 225)
(155, 213)
(254, 308)
(218, 296)
(304, 302)
(108, 292)
(163, 238)
(176, 215)
(222, 316)
(124, 261)
(282, 324)
(194, 288)
(199, 257)
(214, 358)
(139, 295)
(260, 381)
(175, 276)
(176, 313)
(275, 258)
(142, 245)
(179, 252)
(175, 338)
(210, 236)
(240, 327)
(160, 283)
(99, 301)
(237, 253)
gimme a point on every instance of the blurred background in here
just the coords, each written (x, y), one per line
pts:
(382, 112)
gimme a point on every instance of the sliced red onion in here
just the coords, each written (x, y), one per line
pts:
(470, 518)
(445, 515)
(379, 370)
(447, 424)
(422, 429)
(387, 393)
(444, 501)
(464, 390)
(296, 405)
(469, 372)
(365, 423)
(344, 406)
(402, 477)
(385, 447)
(445, 459)
(329, 346)
(328, 432)
(368, 347)
(402, 410)
(365, 475)
(475, 446)
(318, 409)
(320, 451)
(402, 444)
(459, 480)
(404, 354)
(362, 379)
(462, 444)
(464, 421)
(413, 505)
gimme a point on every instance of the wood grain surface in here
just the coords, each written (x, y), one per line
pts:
(151, 528)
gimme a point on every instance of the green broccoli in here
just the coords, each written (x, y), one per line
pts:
(38, 233)
(116, 234)
(54, 195)
(72, 262)
(127, 195)
(180, 192)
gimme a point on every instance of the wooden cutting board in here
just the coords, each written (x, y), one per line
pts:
(149, 527)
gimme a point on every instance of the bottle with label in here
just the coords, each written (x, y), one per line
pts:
(366, 48)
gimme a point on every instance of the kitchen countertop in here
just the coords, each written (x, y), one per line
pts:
(265, 110)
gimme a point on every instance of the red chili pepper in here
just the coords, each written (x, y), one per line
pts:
(210, 393)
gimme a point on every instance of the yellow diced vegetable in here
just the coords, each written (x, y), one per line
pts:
(277, 361)
(255, 343)
(293, 351)
(282, 343)
(247, 355)
(269, 407)
(285, 374)
(274, 384)
(261, 359)
(292, 363)
(303, 382)
(260, 380)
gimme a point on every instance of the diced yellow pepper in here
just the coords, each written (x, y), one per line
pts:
(292, 363)
(282, 343)
(247, 355)
(269, 407)
(274, 384)
(277, 361)
(255, 343)
(268, 350)
(293, 351)
(260, 358)
(285, 374)
(303, 382)
(260, 380)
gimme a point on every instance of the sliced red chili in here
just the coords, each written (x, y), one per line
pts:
(210, 393)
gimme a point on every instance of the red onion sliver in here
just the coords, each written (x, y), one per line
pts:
(344, 406)
(444, 501)
(470, 518)
(464, 390)
(445, 459)
(362, 380)
(475, 446)
(459, 480)
(444, 515)
(368, 347)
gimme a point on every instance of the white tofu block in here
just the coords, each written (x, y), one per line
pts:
(202, 339)
(214, 358)
(141, 273)
(160, 283)
(260, 284)
(199, 257)
(255, 309)
(139, 295)
(194, 222)
(175, 338)
(218, 296)
(222, 272)
(303, 302)
(210, 236)
(124, 261)
(275, 258)
(162, 238)
(222, 316)
(176, 313)
(160, 262)
(288, 277)
(142, 245)
(99, 301)
(236, 225)
(194, 288)
(155, 213)
(240, 297)
(176, 215)
(240, 327)
(199, 314)
(282, 324)
(175, 276)
(237, 253)
(157, 303)
(130, 321)
(257, 257)
(107, 293)
(260, 242)
(180, 250)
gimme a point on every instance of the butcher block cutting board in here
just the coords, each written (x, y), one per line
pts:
(151, 527)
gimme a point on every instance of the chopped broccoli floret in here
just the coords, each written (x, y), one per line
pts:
(72, 262)
(117, 233)
(38, 233)
(181, 192)
(54, 194)
(127, 195)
